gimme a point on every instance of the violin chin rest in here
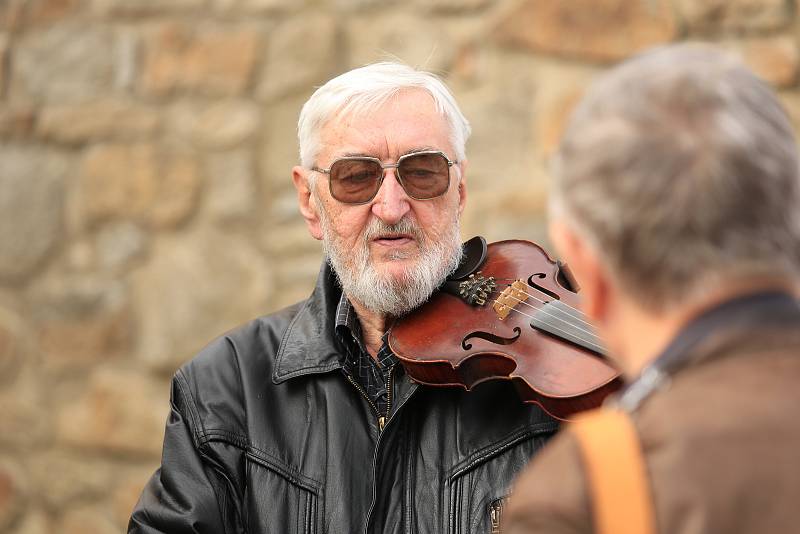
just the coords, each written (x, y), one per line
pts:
(475, 251)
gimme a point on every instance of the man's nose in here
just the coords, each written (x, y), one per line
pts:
(391, 203)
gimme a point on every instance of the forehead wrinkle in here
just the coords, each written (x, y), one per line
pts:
(415, 150)
(386, 144)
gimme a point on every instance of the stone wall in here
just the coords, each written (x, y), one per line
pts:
(145, 196)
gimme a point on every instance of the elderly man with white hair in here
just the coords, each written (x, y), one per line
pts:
(303, 420)
(676, 200)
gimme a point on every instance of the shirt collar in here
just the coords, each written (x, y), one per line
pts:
(347, 325)
(348, 330)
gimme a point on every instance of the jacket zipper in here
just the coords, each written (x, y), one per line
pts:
(377, 448)
(381, 418)
(495, 508)
(364, 394)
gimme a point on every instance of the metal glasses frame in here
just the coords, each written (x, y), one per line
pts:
(385, 166)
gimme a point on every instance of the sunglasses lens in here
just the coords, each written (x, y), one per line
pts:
(424, 176)
(357, 180)
(354, 181)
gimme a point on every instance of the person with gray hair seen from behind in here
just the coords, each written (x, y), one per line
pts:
(302, 420)
(676, 202)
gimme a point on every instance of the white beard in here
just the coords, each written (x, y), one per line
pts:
(382, 294)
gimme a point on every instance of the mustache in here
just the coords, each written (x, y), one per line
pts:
(405, 226)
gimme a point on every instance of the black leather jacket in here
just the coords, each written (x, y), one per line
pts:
(267, 435)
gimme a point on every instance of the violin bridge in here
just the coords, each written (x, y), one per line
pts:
(509, 298)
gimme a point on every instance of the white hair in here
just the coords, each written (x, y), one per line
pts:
(681, 168)
(366, 88)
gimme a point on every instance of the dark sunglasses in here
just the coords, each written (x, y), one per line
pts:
(357, 179)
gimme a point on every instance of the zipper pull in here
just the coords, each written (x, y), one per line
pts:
(494, 515)
(381, 423)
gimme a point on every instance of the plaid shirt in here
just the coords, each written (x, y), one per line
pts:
(362, 368)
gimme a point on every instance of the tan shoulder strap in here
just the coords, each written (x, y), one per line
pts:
(616, 473)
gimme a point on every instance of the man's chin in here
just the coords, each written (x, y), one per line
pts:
(395, 273)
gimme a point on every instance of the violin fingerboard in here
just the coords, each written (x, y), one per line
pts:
(569, 324)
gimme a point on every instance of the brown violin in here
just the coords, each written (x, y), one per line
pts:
(509, 312)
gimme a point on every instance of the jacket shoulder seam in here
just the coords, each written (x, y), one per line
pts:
(232, 438)
(292, 474)
(190, 407)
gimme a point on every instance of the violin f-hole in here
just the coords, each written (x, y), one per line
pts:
(544, 290)
(491, 338)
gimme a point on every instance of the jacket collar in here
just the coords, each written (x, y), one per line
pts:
(730, 327)
(309, 345)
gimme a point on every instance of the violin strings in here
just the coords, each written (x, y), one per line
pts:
(574, 325)
(589, 337)
(578, 317)
(593, 337)
(591, 341)
(594, 345)
(589, 327)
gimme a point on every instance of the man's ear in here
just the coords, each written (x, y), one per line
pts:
(308, 207)
(590, 272)
(462, 186)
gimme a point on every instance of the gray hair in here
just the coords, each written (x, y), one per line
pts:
(680, 166)
(366, 88)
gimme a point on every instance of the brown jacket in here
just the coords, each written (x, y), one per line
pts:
(721, 445)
